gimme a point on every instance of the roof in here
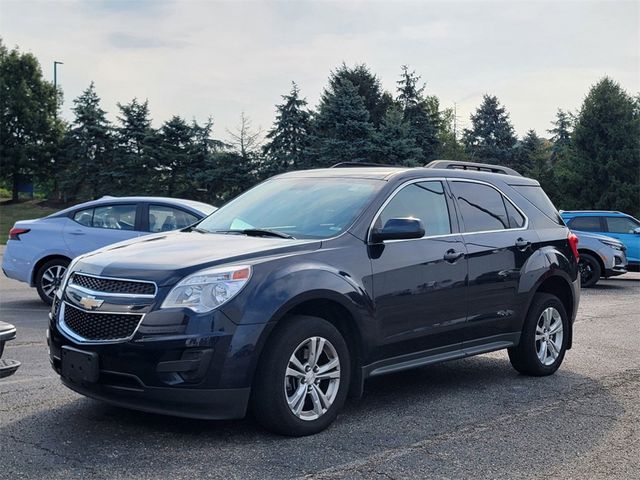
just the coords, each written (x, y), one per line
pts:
(386, 173)
(591, 213)
(203, 208)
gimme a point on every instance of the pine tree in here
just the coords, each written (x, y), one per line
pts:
(342, 129)
(288, 140)
(133, 157)
(397, 146)
(561, 135)
(421, 114)
(604, 170)
(88, 149)
(528, 153)
(375, 99)
(491, 137)
(173, 154)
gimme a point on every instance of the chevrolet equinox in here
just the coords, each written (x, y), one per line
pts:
(286, 299)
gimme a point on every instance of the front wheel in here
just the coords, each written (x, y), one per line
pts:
(303, 377)
(544, 337)
(49, 278)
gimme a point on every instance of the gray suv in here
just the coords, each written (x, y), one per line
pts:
(600, 256)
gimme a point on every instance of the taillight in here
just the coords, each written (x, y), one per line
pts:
(15, 232)
(573, 243)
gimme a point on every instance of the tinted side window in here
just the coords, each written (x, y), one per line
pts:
(586, 224)
(84, 217)
(539, 199)
(621, 224)
(425, 201)
(163, 218)
(117, 217)
(481, 206)
(516, 220)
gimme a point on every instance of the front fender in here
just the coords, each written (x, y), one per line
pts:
(277, 292)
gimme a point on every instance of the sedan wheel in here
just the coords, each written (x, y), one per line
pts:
(312, 379)
(49, 278)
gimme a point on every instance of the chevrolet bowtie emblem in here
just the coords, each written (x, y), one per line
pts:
(91, 303)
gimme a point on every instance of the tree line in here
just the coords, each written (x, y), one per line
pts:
(590, 160)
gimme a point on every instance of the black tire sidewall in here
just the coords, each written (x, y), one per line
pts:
(597, 271)
(532, 363)
(268, 402)
(40, 273)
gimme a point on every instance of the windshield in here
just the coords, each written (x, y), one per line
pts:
(301, 207)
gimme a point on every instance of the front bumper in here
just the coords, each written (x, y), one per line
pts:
(205, 371)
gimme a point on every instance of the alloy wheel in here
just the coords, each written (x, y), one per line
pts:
(312, 378)
(52, 279)
(549, 335)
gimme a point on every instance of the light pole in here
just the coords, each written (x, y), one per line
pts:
(55, 74)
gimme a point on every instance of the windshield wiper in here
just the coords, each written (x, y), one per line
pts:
(259, 232)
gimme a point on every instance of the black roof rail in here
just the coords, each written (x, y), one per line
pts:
(480, 167)
(362, 164)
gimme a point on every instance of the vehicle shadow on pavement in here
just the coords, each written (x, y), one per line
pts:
(435, 421)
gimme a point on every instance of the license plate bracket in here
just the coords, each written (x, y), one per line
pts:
(80, 366)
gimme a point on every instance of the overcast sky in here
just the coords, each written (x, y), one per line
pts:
(208, 58)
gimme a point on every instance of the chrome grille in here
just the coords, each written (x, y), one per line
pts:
(110, 285)
(99, 326)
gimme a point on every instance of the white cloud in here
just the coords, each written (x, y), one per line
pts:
(201, 58)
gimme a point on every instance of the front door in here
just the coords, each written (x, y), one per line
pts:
(624, 228)
(419, 285)
(498, 245)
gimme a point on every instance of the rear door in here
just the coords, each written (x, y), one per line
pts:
(623, 228)
(498, 244)
(96, 227)
(420, 296)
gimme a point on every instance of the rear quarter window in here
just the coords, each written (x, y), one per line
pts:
(536, 196)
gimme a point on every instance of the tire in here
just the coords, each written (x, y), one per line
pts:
(275, 385)
(590, 270)
(48, 278)
(526, 358)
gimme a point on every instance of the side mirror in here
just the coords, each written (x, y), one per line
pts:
(398, 229)
(636, 230)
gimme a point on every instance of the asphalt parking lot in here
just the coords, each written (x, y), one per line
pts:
(473, 418)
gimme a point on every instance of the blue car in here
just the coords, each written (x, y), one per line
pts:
(39, 251)
(612, 224)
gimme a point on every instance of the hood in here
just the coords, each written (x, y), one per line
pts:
(169, 257)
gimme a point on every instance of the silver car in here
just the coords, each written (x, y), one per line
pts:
(600, 256)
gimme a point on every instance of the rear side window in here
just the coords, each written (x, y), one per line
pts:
(621, 224)
(539, 199)
(481, 206)
(163, 218)
(84, 217)
(585, 224)
(115, 217)
(425, 201)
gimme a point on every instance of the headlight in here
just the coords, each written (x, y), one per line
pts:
(614, 245)
(66, 276)
(208, 289)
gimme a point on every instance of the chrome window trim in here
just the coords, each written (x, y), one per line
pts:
(462, 233)
(145, 295)
(66, 331)
(526, 219)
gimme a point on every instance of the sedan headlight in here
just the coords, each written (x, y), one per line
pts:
(614, 245)
(207, 289)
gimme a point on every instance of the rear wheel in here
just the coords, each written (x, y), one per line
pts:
(49, 277)
(590, 270)
(544, 337)
(303, 377)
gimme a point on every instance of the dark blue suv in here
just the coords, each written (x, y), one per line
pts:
(289, 297)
